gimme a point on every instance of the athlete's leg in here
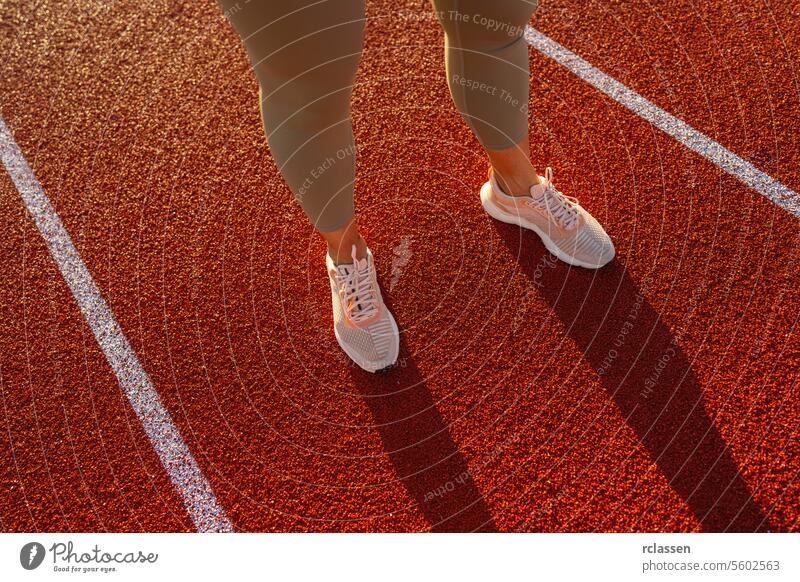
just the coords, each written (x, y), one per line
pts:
(305, 54)
(487, 71)
(488, 75)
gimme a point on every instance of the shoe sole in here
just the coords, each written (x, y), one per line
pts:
(381, 366)
(503, 216)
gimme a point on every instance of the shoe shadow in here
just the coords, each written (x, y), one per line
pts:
(421, 449)
(649, 378)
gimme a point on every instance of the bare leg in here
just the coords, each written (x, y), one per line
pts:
(513, 168)
(341, 241)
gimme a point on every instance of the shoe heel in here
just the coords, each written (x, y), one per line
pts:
(491, 209)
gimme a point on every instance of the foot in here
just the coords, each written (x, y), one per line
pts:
(363, 326)
(566, 229)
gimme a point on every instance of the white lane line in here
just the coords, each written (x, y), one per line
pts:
(696, 141)
(175, 456)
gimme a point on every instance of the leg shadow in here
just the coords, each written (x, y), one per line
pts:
(650, 379)
(421, 449)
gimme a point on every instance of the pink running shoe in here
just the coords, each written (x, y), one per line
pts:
(362, 324)
(565, 227)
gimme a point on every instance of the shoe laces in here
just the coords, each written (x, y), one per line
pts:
(560, 208)
(358, 294)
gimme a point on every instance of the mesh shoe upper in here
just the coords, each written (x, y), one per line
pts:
(364, 327)
(568, 226)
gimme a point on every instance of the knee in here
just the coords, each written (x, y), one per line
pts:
(493, 30)
(492, 36)
(493, 44)
(313, 84)
(303, 109)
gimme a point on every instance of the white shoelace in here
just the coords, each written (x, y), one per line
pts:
(562, 209)
(356, 290)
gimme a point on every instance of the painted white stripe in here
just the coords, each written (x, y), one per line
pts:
(696, 141)
(175, 456)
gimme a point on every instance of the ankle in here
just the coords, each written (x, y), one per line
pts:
(342, 254)
(517, 184)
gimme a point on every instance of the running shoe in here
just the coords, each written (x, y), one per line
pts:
(565, 227)
(362, 324)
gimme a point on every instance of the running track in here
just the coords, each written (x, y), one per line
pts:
(660, 393)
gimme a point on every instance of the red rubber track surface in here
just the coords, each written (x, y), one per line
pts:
(659, 393)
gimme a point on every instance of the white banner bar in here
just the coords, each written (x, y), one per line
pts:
(400, 557)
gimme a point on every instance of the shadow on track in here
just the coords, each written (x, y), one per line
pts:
(419, 445)
(649, 378)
